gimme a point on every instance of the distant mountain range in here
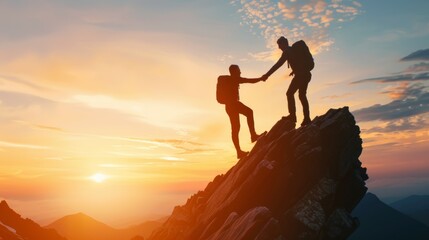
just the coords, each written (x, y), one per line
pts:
(402, 220)
(415, 206)
(73, 227)
(82, 227)
(381, 221)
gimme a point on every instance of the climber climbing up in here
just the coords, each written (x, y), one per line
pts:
(227, 93)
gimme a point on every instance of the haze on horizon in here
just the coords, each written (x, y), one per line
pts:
(109, 108)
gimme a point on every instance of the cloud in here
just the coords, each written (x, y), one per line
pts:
(171, 158)
(108, 48)
(21, 81)
(21, 145)
(337, 96)
(422, 54)
(397, 78)
(161, 113)
(308, 19)
(288, 13)
(178, 142)
(25, 115)
(82, 121)
(405, 124)
(419, 67)
(10, 100)
(414, 73)
(397, 92)
(181, 146)
(40, 126)
(49, 128)
(187, 147)
(415, 101)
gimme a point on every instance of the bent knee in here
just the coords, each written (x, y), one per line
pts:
(289, 94)
(249, 113)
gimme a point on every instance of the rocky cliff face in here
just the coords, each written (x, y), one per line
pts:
(295, 184)
(14, 227)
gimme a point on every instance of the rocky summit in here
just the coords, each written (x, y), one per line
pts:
(295, 184)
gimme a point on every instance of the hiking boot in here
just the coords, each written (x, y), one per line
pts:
(305, 122)
(255, 137)
(242, 154)
(291, 117)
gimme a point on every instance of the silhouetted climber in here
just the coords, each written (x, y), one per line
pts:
(301, 61)
(227, 93)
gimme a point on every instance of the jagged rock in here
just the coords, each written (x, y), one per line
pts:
(295, 184)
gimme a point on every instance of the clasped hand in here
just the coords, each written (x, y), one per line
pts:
(264, 77)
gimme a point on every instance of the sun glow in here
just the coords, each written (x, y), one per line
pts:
(98, 177)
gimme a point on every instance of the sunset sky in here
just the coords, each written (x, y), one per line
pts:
(108, 107)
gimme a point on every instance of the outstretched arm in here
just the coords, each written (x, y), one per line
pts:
(276, 66)
(250, 80)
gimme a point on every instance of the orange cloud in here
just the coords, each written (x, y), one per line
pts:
(312, 24)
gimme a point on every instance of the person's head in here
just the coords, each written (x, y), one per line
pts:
(283, 43)
(234, 70)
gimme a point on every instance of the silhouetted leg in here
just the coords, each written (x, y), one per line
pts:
(305, 79)
(293, 87)
(234, 118)
(248, 112)
(305, 107)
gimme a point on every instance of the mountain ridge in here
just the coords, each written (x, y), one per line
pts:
(415, 206)
(295, 184)
(412, 203)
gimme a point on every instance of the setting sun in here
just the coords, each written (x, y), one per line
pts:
(98, 177)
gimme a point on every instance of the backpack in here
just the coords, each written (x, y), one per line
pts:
(300, 58)
(226, 89)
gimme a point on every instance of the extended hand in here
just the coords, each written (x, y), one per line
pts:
(264, 77)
